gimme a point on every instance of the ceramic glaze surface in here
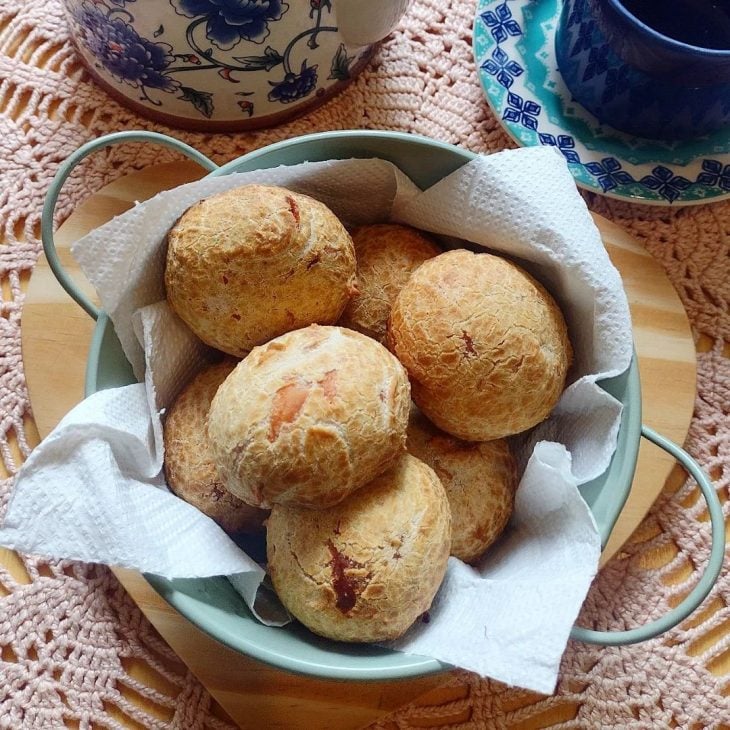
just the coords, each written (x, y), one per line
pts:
(636, 81)
(234, 61)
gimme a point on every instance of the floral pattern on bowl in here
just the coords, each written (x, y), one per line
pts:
(218, 60)
(228, 22)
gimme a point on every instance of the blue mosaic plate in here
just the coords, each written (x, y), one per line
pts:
(514, 48)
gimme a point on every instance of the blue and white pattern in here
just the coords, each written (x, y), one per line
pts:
(564, 142)
(714, 173)
(669, 185)
(501, 24)
(230, 38)
(502, 67)
(228, 22)
(519, 110)
(514, 50)
(608, 173)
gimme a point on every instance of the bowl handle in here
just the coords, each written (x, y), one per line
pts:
(703, 587)
(67, 167)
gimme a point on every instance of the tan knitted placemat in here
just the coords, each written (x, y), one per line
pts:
(70, 638)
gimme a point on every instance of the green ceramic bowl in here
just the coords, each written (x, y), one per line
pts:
(211, 603)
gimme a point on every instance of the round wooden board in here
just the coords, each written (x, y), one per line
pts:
(56, 335)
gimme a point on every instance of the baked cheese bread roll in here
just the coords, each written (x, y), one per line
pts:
(309, 417)
(367, 568)
(387, 254)
(254, 262)
(480, 480)
(189, 468)
(484, 344)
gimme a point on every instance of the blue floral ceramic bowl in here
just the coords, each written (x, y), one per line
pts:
(227, 64)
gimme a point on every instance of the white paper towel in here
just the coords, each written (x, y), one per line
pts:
(510, 617)
(93, 490)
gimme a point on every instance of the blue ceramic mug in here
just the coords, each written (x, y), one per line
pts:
(652, 68)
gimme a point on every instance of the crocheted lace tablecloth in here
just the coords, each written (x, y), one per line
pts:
(71, 639)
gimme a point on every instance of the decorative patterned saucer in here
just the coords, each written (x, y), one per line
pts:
(514, 48)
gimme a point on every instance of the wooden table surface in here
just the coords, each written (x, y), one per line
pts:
(56, 334)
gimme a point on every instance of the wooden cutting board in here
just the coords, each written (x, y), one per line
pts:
(56, 335)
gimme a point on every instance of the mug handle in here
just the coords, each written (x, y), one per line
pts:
(67, 167)
(711, 572)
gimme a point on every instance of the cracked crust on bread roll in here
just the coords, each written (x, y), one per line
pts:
(366, 569)
(189, 468)
(387, 254)
(251, 263)
(484, 344)
(480, 479)
(309, 417)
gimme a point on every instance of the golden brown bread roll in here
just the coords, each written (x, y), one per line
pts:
(485, 346)
(387, 254)
(480, 480)
(254, 262)
(365, 569)
(189, 467)
(309, 417)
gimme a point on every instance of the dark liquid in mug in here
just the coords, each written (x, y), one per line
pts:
(703, 23)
